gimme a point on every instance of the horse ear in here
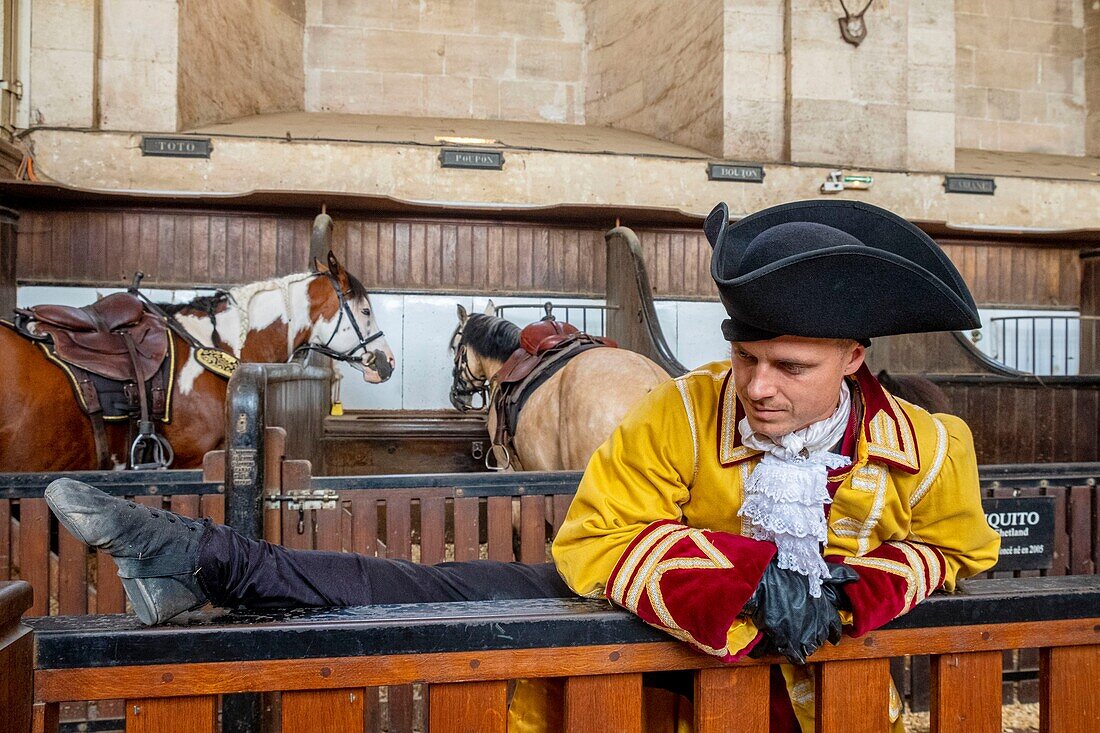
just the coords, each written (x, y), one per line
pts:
(319, 266)
(715, 224)
(490, 309)
(333, 263)
(462, 315)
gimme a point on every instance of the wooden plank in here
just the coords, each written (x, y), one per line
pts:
(364, 524)
(469, 707)
(616, 697)
(329, 673)
(341, 710)
(17, 663)
(34, 552)
(400, 707)
(72, 574)
(732, 700)
(853, 696)
(1060, 561)
(399, 528)
(45, 717)
(1069, 702)
(560, 503)
(1080, 529)
(966, 693)
(499, 517)
(297, 526)
(532, 536)
(5, 539)
(385, 251)
(433, 521)
(213, 506)
(109, 596)
(172, 714)
(401, 256)
(466, 529)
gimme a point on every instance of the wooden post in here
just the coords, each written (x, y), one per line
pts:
(966, 693)
(732, 700)
(468, 707)
(1068, 699)
(172, 715)
(853, 696)
(15, 657)
(606, 703)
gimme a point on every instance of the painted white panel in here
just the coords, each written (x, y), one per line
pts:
(29, 295)
(356, 393)
(429, 322)
(668, 315)
(699, 337)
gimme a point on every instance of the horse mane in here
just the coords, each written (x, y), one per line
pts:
(490, 336)
(916, 389)
(206, 304)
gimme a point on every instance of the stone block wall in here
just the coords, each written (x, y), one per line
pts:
(482, 59)
(60, 82)
(656, 67)
(239, 58)
(1092, 78)
(139, 46)
(1020, 75)
(754, 81)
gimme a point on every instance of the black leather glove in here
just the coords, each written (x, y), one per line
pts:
(795, 624)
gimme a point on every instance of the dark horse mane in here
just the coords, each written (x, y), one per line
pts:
(205, 304)
(490, 336)
(916, 389)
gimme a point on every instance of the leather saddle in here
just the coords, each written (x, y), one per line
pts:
(94, 337)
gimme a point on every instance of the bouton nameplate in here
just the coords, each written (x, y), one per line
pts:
(467, 158)
(969, 184)
(176, 147)
(735, 172)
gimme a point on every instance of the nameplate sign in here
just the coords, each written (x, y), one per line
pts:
(1026, 526)
(969, 184)
(176, 147)
(735, 172)
(490, 160)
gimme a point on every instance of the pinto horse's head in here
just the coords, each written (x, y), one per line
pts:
(344, 326)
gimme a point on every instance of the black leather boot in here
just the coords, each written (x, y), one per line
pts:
(156, 551)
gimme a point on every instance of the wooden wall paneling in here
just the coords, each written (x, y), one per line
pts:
(853, 696)
(479, 256)
(213, 506)
(167, 268)
(418, 254)
(1044, 417)
(386, 273)
(34, 552)
(448, 254)
(1086, 424)
(364, 524)
(603, 702)
(466, 529)
(732, 700)
(540, 271)
(304, 710)
(1067, 682)
(1060, 561)
(1081, 529)
(965, 693)
(510, 264)
(399, 528)
(173, 715)
(284, 257)
(468, 707)
(72, 574)
(560, 503)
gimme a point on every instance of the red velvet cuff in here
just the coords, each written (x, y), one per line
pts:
(691, 583)
(893, 578)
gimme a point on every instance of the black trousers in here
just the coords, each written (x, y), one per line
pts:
(235, 571)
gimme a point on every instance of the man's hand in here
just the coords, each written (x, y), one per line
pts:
(795, 623)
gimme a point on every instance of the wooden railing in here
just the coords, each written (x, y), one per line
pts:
(466, 653)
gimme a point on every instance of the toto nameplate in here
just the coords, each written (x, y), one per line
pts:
(480, 159)
(176, 147)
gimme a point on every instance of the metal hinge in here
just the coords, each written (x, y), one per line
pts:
(12, 87)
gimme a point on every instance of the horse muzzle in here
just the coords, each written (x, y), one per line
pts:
(377, 363)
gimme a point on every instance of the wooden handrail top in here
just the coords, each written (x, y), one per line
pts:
(15, 598)
(65, 642)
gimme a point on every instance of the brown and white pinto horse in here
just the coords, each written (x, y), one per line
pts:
(566, 418)
(42, 427)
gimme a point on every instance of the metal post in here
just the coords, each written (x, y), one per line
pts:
(244, 481)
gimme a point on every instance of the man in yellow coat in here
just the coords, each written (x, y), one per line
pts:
(766, 500)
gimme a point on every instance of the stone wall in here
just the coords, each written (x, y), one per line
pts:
(239, 58)
(1020, 77)
(60, 82)
(656, 67)
(483, 59)
(1092, 78)
(137, 65)
(886, 103)
(755, 81)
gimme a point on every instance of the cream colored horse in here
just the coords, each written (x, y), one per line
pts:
(567, 418)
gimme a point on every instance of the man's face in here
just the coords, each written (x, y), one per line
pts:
(789, 382)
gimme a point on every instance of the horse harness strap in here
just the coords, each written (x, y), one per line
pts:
(527, 370)
(119, 360)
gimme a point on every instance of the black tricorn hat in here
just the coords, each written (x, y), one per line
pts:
(832, 269)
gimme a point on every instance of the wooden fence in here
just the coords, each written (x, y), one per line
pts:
(465, 655)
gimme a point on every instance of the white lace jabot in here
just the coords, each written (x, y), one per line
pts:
(785, 496)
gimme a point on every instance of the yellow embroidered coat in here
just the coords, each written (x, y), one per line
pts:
(654, 524)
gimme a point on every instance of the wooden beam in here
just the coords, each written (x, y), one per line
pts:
(468, 707)
(732, 700)
(338, 711)
(852, 696)
(966, 693)
(172, 715)
(1068, 697)
(602, 703)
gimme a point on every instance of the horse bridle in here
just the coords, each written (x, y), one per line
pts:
(464, 384)
(369, 357)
